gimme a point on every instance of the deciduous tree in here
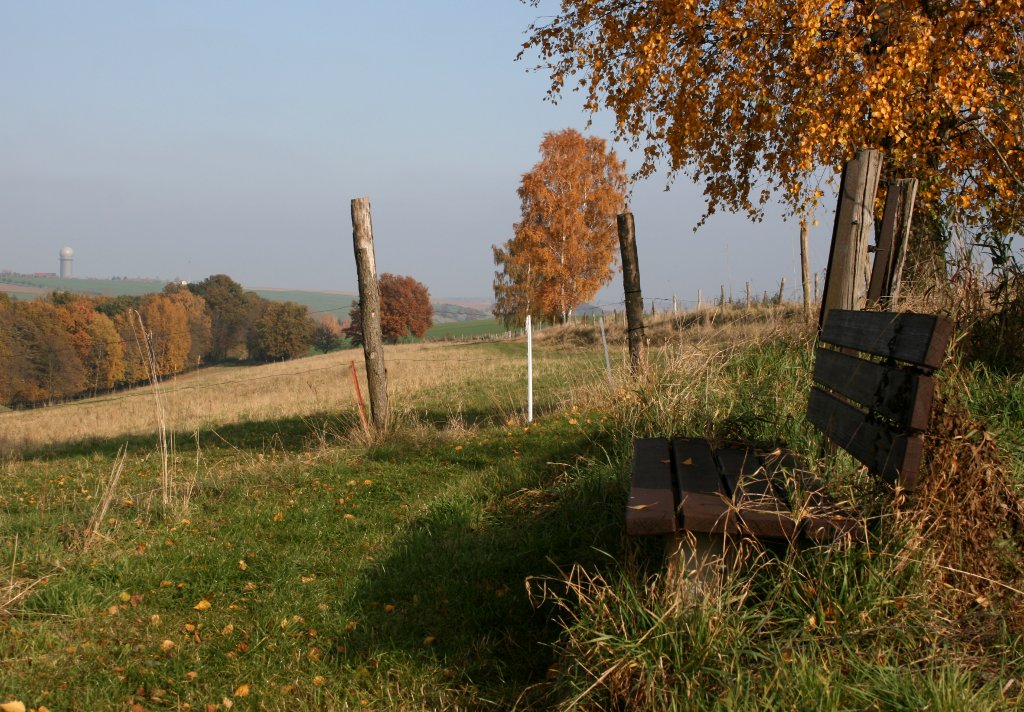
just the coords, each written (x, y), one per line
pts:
(283, 331)
(232, 312)
(167, 329)
(563, 250)
(200, 324)
(327, 334)
(751, 96)
(405, 310)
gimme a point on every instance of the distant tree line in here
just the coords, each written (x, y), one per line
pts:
(69, 344)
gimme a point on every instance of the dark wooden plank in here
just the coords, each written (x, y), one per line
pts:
(920, 339)
(898, 394)
(704, 504)
(820, 518)
(893, 456)
(652, 508)
(763, 514)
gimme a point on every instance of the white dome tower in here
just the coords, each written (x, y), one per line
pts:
(67, 255)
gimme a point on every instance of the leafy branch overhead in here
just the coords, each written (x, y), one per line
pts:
(752, 96)
(563, 248)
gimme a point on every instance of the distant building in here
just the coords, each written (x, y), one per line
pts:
(67, 255)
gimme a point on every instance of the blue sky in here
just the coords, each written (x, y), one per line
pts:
(182, 139)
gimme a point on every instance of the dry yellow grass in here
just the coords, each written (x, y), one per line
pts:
(223, 395)
(454, 377)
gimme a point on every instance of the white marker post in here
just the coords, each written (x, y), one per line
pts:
(529, 370)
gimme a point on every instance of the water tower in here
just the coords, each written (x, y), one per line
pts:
(66, 257)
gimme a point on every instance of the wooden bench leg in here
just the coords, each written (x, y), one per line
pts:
(699, 558)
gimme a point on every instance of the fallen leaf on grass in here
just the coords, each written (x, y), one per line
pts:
(319, 680)
(203, 605)
(307, 579)
(228, 629)
(167, 645)
(279, 517)
(241, 691)
(242, 565)
(13, 706)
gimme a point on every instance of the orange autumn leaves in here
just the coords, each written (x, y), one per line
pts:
(563, 248)
(749, 96)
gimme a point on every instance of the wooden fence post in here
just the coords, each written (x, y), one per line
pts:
(891, 250)
(847, 275)
(782, 291)
(748, 295)
(805, 267)
(634, 299)
(369, 308)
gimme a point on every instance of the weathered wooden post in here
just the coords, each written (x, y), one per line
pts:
(847, 275)
(369, 309)
(721, 298)
(891, 250)
(782, 291)
(634, 299)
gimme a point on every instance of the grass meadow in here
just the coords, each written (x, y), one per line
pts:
(471, 560)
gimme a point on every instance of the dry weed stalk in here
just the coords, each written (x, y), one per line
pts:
(145, 346)
(106, 496)
(968, 515)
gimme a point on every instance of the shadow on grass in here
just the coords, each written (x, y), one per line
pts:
(452, 593)
(292, 434)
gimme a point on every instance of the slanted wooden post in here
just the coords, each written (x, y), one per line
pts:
(634, 299)
(782, 291)
(369, 308)
(891, 250)
(847, 276)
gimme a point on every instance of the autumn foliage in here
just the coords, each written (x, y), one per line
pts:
(563, 249)
(405, 310)
(70, 345)
(751, 96)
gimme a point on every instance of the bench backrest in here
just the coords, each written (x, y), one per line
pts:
(873, 386)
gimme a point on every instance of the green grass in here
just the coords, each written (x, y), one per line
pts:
(465, 329)
(471, 561)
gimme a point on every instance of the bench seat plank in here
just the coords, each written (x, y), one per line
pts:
(763, 512)
(893, 456)
(900, 395)
(651, 509)
(703, 501)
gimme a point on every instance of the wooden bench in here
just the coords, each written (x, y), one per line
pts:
(872, 395)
